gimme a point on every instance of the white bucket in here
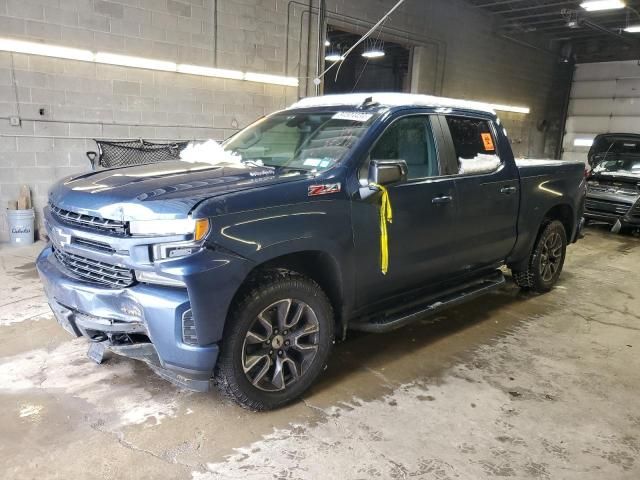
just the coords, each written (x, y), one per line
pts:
(21, 226)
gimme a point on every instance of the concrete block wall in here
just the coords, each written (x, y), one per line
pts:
(65, 104)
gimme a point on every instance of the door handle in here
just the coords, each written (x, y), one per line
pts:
(442, 200)
(508, 190)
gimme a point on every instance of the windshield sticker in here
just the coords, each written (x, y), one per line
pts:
(488, 142)
(312, 162)
(353, 116)
(325, 189)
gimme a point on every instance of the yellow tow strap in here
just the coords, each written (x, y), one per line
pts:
(386, 215)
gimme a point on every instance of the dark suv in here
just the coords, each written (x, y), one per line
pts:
(613, 186)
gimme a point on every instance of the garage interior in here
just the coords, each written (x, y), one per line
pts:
(512, 384)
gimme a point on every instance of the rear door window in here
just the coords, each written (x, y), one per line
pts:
(474, 144)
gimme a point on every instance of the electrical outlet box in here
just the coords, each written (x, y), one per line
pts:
(14, 121)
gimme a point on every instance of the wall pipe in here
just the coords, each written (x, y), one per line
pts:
(565, 115)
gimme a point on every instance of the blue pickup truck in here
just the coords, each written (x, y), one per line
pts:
(346, 212)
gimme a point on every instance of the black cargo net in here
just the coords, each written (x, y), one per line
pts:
(113, 154)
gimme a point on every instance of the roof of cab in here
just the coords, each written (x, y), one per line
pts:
(391, 100)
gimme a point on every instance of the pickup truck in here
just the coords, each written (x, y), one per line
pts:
(345, 212)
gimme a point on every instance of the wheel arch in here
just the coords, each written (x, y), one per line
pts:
(564, 214)
(317, 265)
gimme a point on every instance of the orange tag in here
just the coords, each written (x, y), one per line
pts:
(488, 142)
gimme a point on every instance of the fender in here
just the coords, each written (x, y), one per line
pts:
(541, 194)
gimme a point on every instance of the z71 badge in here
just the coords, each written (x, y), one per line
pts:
(326, 189)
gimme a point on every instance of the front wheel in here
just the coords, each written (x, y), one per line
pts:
(546, 260)
(278, 339)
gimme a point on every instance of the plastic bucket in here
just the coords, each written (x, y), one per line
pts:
(21, 226)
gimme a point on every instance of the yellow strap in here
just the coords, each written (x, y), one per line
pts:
(386, 215)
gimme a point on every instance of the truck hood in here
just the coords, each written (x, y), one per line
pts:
(164, 190)
(610, 145)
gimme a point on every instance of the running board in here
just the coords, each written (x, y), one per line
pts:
(432, 305)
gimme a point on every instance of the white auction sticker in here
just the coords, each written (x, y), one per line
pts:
(353, 116)
(312, 162)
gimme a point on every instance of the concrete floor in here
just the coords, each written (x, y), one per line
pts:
(509, 385)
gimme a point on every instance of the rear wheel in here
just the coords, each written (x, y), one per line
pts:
(278, 340)
(546, 260)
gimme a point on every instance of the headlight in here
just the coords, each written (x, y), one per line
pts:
(183, 226)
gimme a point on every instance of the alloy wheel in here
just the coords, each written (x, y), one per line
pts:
(280, 345)
(551, 256)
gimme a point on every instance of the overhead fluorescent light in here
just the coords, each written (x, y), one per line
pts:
(135, 62)
(599, 5)
(374, 53)
(632, 29)
(583, 142)
(334, 57)
(274, 79)
(56, 51)
(510, 108)
(45, 50)
(210, 72)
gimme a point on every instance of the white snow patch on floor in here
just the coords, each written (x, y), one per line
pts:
(112, 387)
(29, 410)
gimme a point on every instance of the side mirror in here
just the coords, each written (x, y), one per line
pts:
(387, 172)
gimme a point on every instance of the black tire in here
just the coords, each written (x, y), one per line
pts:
(266, 384)
(546, 260)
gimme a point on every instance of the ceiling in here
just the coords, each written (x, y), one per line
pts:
(597, 36)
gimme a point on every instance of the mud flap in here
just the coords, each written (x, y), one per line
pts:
(617, 227)
(97, 352)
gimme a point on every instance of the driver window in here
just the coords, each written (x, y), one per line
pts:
(409, 139)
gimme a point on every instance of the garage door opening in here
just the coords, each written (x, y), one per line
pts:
(375, 66)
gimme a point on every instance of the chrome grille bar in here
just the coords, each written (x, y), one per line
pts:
(605, 206)
(94, 271)
(89, 221)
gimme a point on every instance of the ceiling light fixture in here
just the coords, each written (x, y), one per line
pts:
(373, 53)
(56, 51)
(327, 43)
(583, 142)
(510, 108)
(599, 5)
(334, 57)
(633, 29)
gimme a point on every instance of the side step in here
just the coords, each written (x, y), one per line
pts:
(464, 293)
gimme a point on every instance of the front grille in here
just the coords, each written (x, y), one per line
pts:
(94, 271)
(93, 245)
(596, 188)
(607, 207)
(89, 221)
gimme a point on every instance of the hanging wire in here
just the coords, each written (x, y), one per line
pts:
(362, 39)
(366, 63)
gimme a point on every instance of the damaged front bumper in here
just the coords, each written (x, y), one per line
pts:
(143, 322)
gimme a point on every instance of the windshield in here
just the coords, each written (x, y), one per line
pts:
(300, 141)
